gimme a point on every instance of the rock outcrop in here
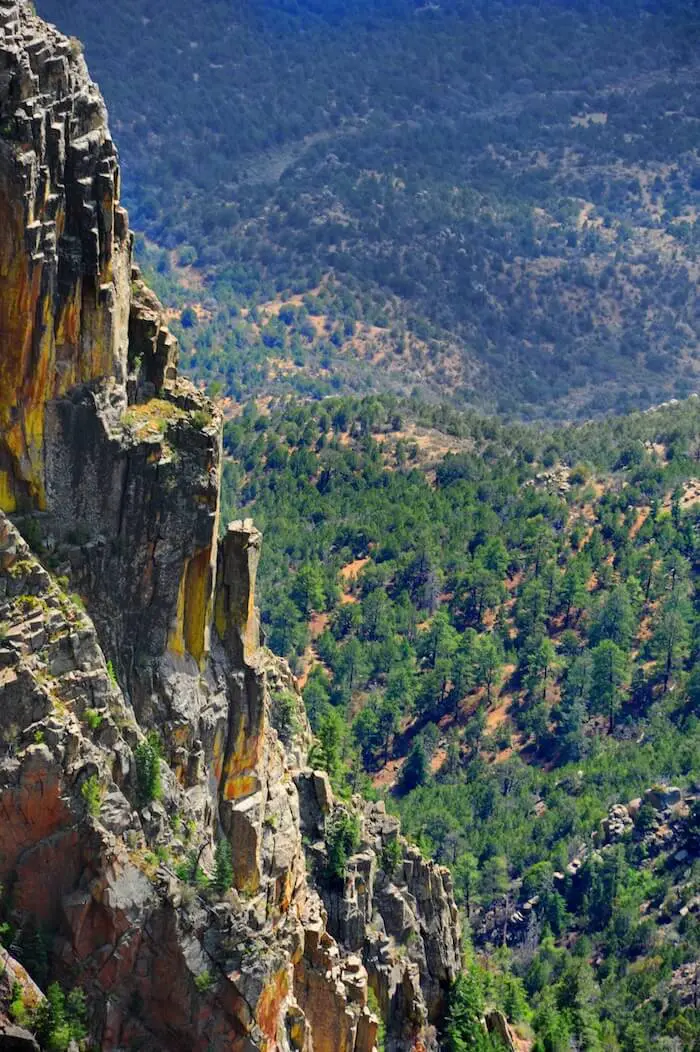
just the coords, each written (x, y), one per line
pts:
(393, 908)
(137, 704)
(65, 251)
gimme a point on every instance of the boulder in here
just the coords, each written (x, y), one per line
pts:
(661, 797)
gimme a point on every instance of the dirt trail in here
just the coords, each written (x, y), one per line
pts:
(317, 626)
(642, 517)
(351, 571)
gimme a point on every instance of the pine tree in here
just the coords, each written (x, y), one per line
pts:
(415, 770)
(223, 872)
(609, 672)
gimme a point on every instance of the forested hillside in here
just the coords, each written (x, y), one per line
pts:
(475, 201)
(496, 627)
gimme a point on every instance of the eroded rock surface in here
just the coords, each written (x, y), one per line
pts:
(130, 654)
(65, 250)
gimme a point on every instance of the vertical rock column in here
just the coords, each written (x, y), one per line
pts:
(241, 797)
(236, 616)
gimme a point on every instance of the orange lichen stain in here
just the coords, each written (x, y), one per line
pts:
(68, 340)
(239, 774)
(218, 754)
(241, 785)
(248, 885)
(251, 635)
(107, 208)
(270, 1005)
(25, 370)
(68, 328)
(285, 897)
(242, 620)
(297, 1034)
(225, 620)
(53, 341)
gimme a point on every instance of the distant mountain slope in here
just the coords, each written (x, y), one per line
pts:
(485, 202)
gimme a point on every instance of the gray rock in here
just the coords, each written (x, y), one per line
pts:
(663, 796)
(16, 1038)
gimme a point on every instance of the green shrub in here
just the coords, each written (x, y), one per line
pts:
(465, 1028)
(283, 712)
(147, 756)
(200, 418)
(342, 840)
(31, 531)
(91, 792)
(191, 872)
(373, 1005)
(204, 981)
(391, 856)
(223, 873)
(93, 718)
(32, 951)
(18, 1010)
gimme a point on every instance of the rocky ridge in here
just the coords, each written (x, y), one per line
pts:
(152, 670)
(658, 822)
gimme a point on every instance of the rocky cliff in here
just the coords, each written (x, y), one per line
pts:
(137, 710)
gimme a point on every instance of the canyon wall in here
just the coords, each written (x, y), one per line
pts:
(137, 705)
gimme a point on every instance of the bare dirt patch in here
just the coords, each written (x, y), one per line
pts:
(642, 516)
(350, 571)
(389, 774)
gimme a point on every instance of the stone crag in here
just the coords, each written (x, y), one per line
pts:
(136, 700)
(65, 250)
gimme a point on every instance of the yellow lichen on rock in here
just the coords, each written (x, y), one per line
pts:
(25, 364)
(7, 493)
(65, 251)
(190, 631)
(199, 598)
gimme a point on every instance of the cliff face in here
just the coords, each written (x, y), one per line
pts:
(65, 249)
(109, 463)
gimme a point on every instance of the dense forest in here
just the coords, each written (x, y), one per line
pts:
(496, 628)
(487, 202)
